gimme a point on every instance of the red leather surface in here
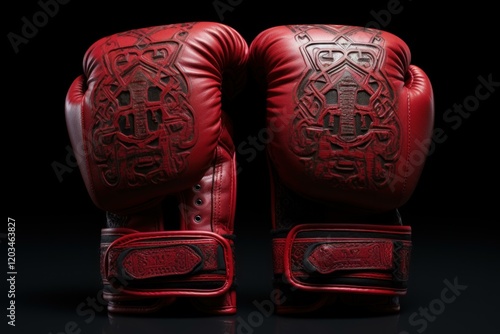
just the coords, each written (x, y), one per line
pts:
(334, 252)
(146, 122)
(352, 120)
(146, 115)
(356, 115)
(170, 257)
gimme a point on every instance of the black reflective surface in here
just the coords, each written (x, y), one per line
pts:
(452, 290)
(454, 272)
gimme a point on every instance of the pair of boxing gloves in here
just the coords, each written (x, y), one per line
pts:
(351, 121)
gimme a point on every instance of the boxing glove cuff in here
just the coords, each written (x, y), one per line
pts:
(166, 263)
(355, 258)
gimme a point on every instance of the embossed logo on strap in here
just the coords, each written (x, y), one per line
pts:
(327, 258)
(157, 262)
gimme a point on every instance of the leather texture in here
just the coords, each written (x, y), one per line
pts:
(156, 153)
(351, 120)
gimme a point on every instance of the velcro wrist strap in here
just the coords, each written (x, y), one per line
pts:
(345, 258)
(170, 263)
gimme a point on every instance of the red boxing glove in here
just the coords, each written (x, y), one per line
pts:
(352, 121)
(156, 154)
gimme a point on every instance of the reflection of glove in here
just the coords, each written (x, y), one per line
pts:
(179, 325)
(158, 157)
(352, 114)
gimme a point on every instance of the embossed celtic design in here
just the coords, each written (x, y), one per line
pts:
(345, 129)
(144, 125)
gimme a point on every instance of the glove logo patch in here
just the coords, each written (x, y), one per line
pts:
(330, 257)
(345, 129)
(144, 125)
(166, 261)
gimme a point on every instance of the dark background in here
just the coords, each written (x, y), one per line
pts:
(452, 211)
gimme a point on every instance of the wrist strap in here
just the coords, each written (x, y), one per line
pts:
(344, 258)
(162, 264)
